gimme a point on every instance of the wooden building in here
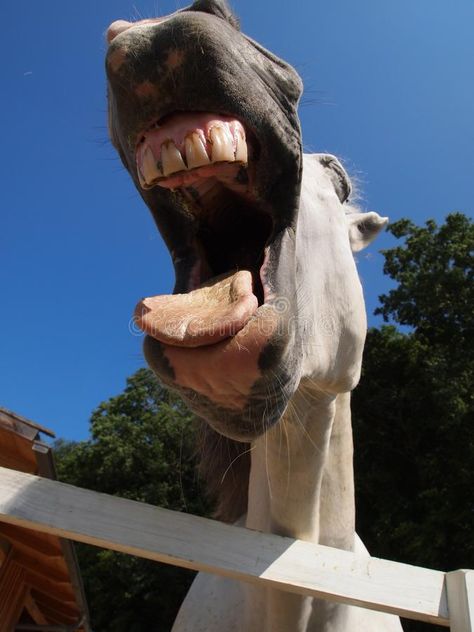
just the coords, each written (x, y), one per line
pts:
(40, 584)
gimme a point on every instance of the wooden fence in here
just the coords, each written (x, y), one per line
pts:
(206, 545)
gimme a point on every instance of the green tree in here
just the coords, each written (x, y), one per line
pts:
(414, 409)
(142, 447)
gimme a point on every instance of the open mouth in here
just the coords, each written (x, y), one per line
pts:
(209, 160)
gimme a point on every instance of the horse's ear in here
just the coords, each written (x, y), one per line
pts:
(364, 228)
(338, 176)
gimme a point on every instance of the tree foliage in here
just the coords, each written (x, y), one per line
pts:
(142, 447)
(414, 409)
(434, 272)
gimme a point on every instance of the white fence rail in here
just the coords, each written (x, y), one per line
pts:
(206, 545)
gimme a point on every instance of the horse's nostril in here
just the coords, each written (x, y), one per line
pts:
(116, 28)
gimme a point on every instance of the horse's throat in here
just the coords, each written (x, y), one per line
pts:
(293, 474)
(337, 502)
(301, 486)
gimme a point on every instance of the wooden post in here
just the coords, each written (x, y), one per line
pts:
(460, 588)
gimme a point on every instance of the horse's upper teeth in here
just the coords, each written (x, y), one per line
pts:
(241, 152)
(171, 159)
(149, 168)
(196, 154)
(141, 177)
(222, 145)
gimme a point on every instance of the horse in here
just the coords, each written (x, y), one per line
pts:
(264, 333)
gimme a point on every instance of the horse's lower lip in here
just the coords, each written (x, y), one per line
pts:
(219, 357)
(230, 374)
(225, 372)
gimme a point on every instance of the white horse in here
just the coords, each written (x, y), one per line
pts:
(264, 334)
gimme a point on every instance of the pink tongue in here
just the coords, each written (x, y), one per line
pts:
(215, 311)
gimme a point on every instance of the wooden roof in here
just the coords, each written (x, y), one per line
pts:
(40, 583)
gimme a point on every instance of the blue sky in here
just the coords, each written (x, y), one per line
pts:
(389, 89)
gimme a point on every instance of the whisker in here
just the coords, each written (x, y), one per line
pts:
(252, 447)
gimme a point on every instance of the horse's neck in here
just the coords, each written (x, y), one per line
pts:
(337, 507)
(301, 485)
(301, 479)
